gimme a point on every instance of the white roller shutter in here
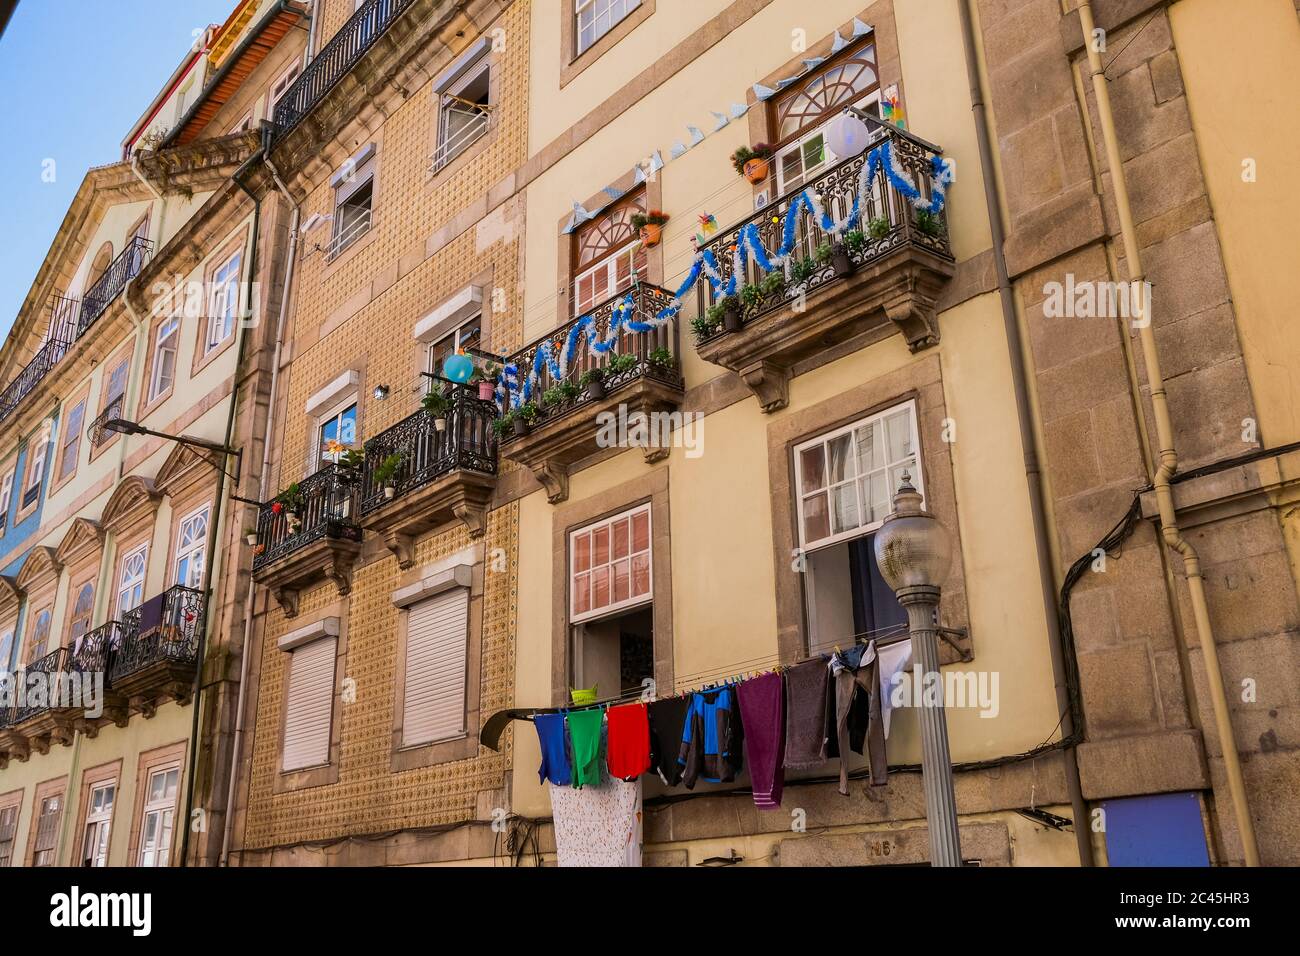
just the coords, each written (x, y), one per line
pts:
(433, 706)
(310, 700)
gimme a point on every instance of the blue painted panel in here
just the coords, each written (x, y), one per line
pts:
(1160, 830)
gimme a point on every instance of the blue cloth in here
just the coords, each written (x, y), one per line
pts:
(711, 739)
(556, 766)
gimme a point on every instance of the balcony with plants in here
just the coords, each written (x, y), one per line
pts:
(860, 250)
(433, 467)
(158, 655)
(617, 364)
(309, 532)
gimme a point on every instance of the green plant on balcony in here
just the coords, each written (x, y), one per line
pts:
(436, 404)
(350, 462)
(386, 473)
(621, 363)
(855, 240)
(704, 326)
(824, 253)
(501, 424)
(289, 500)
(772, 283)
(528, 412)
(878, 228)
(553, 397)
(662, 358)
(750, 295)
(803, 270)
(928, 222)
(593, 383)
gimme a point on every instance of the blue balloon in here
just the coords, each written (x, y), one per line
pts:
(458, 368)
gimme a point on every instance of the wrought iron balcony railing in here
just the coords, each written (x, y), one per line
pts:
(336, 59)
(45, 359)
(99, 435)
(426, 453)
(94, 654)
(108, 286)
(41, 683)
(888, 220)
(164, 629)
(326, 508)
(648, 348)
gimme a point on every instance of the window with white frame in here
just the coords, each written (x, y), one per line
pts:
(309, 703)
(130, 585)
(354, 196)
(47, 830)
(467, 335)
(83, 608)
(115, 382)
(8, 833)
(158, 816)
(6, 497)
(597, 17)
(39, 644)
(6, 649)
(464, 110)
(166, 340)
(845, 482)
(336, 432)
(99, 817)
(71, 445)
(224, 303)
(802, 112)
(37, 452)
(437, 640)
(281, 86)
(607, 256)
(610, 602)
(191, 548)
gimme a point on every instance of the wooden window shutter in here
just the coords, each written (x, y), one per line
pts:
(433, 705)
(310, 702)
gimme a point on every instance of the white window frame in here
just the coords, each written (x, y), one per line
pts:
(450, 145)
(612, 287)
(196, 548)
(824, 439)
(335, 414)
(223, 307)
(352, 177)
(615, 607)
(460, 336)
(37, 454)
(159, 808)
(281, 86)
(6, 498)
(829, 158)
(98, 827)
(45, 857)
(72, 438)
(169, 330)
(127, 584)
(595, 9)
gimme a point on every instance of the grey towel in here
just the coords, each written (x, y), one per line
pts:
(805, 714)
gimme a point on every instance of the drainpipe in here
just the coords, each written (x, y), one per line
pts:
(1028, 440)
(1168, 456)
(162, 201)
(263, 481)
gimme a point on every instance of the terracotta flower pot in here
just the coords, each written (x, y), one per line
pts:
(519, 425)
(651, 233)
(487, 391)
(756, 170)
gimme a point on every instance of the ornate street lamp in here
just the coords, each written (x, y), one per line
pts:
(914, 553)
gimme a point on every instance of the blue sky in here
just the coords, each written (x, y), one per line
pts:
(74, 77)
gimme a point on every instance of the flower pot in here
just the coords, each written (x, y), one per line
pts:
(389, 491)
(251, 539)
(440, 424)
(595, 390)
(519, 425)
(731, 316)
(487, 391)
(651, 234)
(756, 170)
(841, 262)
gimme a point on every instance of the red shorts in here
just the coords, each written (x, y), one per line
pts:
(628, 745)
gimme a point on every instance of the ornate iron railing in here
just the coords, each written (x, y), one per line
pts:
(97, 432)
(647, 302)
(888, 221)
(326, 508)
(49, 668)
(45, 359)
(335, 59)
(94, 654)
(427, 453)
(168, 632)
(108, 286)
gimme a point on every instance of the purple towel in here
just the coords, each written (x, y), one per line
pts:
(805, 728)
(762, 714)
(151, 614)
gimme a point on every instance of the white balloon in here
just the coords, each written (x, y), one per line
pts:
(847, 135)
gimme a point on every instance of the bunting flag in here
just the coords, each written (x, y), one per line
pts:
(580, 215)
(613, 193)
(697, 136)
(810, 65)
(839, 43)
(738, 110)
(860, 29)
(677, 151)
(763, 92)
(719, 120)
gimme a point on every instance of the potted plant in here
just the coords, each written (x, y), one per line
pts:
(928, 222)
(772, 283)
(704, 326)
(437, 405)
(621, 363)
(838, 257)
(501, 424)
(386, 474)
(855, 240)
(753, 162)
(803, 270)
(650, 225)
(486, 378)
(878, 228)
(351, 461)
(593, 382)
(553, 396)
(662, 358)
(523, 417)
(250, 536)
(289, 502)
(750, 296)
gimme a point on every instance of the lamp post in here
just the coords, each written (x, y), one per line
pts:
(914, 552)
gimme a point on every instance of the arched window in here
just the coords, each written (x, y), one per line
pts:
(606, 255)
(103, 259)
(82, 609)
(39, 644)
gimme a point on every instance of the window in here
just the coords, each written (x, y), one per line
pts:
(99, 816)
(464, 111)
(354, 194)
(464, 336)
(598, 17)
(72, 439)
(164, 358)
(224, 303)
(280, 87)
(8, 831)
(113, 394)
(83, 607)
(846, 481)
(309, 704)
(40, 639)
(339, 426)
(437, 637)
(130, 586)
(36, 468)
(243, 125)
(47, 830)
(6, 649)
(6, 497)
(156, 825)
(607, 257)
(191, 544)
(802, 112)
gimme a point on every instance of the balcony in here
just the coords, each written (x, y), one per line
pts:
(886, 276)
(99, 435)
(312, 538)
(437, 474)
(159, 650)
(110, 285)
(336, 59)
(49, 354)
(640, 379)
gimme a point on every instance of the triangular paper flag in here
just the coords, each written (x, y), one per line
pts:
(814, 62)
(722, 120)
(580, 215)
(613, 193)
(677, 151)
(656, 162)
(738, 110)
(860, 29)
(839, 43)
(638, 175)
(763, 92)
(782, 84)
(697, 137)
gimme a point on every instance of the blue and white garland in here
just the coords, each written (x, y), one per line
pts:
(749, 243)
